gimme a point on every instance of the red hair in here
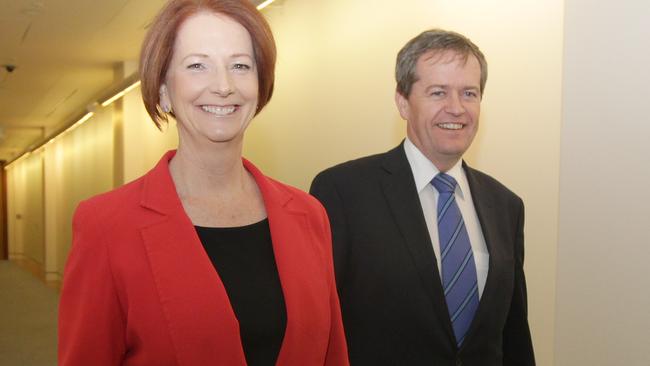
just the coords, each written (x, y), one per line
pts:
(158, 46)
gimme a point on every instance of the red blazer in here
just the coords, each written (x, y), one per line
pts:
(139, 289)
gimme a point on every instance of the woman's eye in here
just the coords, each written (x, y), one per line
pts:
(241, 67)
(196, 66)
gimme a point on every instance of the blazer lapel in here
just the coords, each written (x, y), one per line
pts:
(304, 285)
(404, 202)
(200, 319)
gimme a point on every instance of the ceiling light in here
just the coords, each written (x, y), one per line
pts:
(120, 94)
(264, 4)
(80, 121)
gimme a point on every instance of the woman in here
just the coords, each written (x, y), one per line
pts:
(204, 260)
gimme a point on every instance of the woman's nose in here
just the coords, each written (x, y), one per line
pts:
(222, 84)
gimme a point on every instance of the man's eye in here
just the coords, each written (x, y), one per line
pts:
(471, 94)
(437, 93)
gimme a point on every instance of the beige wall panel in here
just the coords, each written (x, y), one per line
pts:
(144, 144)
(54, 217)
(15, 208)
(85, 157)
(33, 217)
(25, 208)
(603, 302)
(334, 102)
(11, 209)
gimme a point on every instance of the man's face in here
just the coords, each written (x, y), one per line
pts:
(443, 109)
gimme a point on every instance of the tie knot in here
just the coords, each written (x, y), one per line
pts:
(444, 183)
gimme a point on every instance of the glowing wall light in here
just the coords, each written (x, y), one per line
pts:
(120, 94)
(264, 4)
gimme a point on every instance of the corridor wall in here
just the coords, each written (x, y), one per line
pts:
(603, 302)
(144, 144)
(79, 164)
(26, 209)
(76, 166)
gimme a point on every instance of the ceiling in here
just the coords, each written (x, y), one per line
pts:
(64, 53)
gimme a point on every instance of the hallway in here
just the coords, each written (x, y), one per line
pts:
(28, 316)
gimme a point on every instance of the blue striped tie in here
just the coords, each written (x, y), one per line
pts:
(457, 261)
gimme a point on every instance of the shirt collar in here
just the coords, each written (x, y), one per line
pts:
(424, 170)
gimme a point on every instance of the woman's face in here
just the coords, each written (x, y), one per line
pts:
(211, 82)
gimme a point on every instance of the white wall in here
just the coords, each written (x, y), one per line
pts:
(603, 297)
(33, 219)
(15, 209)
(11, 212)
(56, 220)
(80, 164)
(334, 102)
(144, 144)
(25, 210)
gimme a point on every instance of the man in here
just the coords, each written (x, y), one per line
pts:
(428, 251)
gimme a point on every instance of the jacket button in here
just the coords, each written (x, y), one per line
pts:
(459, 362)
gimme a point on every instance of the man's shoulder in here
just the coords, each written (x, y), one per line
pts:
(481, 180)
(362, 168)
(355, 166)
(298, 196)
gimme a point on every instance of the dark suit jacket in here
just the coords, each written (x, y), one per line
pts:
(393, 305)
(139, 288)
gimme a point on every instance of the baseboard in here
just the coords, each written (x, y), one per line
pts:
(17, 256)
(53, 276)
(51, 279)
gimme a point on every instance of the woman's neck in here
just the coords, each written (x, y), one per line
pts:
(213, 185)
(207, 171)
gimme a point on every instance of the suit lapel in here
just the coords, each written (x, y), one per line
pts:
(201, 321)
(399, 189)
(487, 213)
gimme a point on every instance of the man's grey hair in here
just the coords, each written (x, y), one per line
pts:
(434, 40)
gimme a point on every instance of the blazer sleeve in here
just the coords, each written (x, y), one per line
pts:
(91, 323)
(324, 189)
(337, 351)
(517, 343)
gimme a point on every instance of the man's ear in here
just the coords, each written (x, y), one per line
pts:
(402, 105)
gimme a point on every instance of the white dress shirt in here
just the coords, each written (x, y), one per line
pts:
(423, 172)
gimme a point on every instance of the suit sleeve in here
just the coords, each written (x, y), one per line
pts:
(517, 343)
(337, 351)
(91, 323)
(324, 189)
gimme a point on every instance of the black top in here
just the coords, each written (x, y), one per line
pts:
(243, 257)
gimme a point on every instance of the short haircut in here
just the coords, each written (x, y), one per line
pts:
(158, 47)
(433, 40)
